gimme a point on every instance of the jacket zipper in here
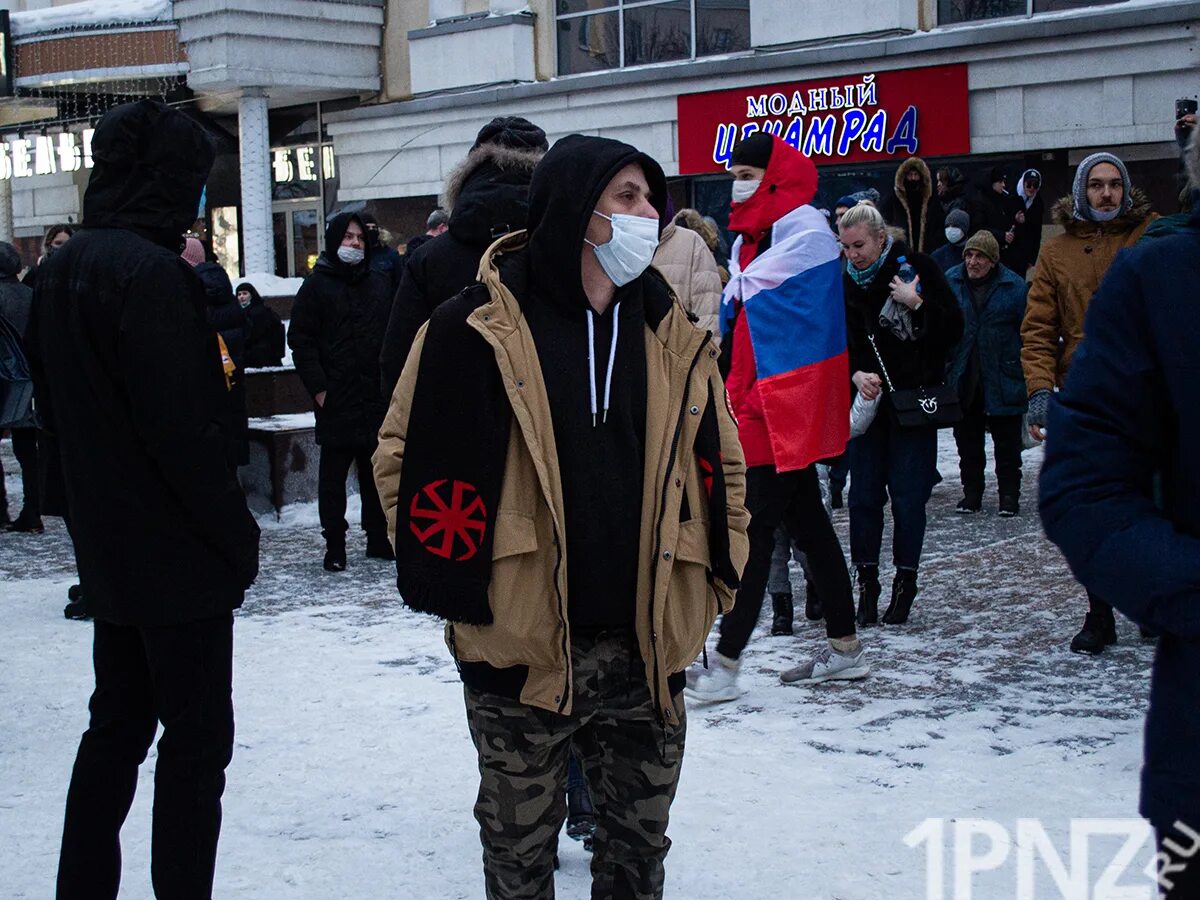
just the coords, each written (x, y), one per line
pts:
(562, 619)
(662, 512)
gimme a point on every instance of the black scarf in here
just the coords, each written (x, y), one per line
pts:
(453, 470)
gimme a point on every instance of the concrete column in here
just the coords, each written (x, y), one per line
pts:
(6, 213)
(257, 236)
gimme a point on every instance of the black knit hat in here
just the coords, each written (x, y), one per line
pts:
(753, 151)
(513, 132)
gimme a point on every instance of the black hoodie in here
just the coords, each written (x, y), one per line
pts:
(132, 385)
(338, 321)
(264, 333)
(601, 465)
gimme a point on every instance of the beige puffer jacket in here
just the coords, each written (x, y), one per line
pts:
(689, 268)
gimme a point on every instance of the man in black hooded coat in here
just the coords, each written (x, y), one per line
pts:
(338, 321)
(265, 334)
(487, 196)
(164, 541)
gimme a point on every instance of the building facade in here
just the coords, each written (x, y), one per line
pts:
(971, 83)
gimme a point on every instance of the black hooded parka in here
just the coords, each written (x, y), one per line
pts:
(265, 334)
(336, 335)
(131, 383)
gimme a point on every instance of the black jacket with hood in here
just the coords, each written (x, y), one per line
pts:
(15, 298)
(487, 196)
(336, 334)
(225, 317)
(265, 333)
(134, 388)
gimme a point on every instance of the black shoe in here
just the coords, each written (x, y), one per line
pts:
(1099, 631)
(835, 500)
(76, 609)
(379, 547)
(581, 817)
(969, 504)
(26, 524)
(868, 596)
(813, 611)
(904, 592)
(335, 553)
(74, 592)
(781, 606)
(1010, 506)
(1148, 634)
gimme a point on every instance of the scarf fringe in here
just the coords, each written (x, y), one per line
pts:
(462, 602)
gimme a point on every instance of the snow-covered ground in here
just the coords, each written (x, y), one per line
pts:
(354, 776)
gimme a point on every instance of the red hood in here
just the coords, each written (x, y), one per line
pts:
(790, 182)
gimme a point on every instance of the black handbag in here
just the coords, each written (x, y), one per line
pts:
(937, 405)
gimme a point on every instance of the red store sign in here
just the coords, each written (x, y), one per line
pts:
(861, 118)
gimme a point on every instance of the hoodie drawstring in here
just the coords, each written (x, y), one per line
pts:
(612, 355)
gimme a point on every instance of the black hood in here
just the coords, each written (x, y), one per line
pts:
(10, 260)
(566, 186)
(488, 193)
(334, 232)
(254, 295)
(151, 163)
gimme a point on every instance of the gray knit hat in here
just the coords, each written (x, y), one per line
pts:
(1083, 210)
(958, 218)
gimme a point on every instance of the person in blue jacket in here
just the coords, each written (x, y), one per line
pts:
(1120, 495)
(986, 368)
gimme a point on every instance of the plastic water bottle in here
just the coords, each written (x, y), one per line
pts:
(907, 273)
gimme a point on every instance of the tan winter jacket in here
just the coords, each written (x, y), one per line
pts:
(677, 600)
(685, 261)
(1068, 272)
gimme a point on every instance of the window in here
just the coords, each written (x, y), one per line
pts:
(608, 34)
(952, 11)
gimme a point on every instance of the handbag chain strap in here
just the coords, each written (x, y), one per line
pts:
(882, 367)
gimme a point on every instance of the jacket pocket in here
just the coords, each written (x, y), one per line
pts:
(691, 603)
(1012, 383)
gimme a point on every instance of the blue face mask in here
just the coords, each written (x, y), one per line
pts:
(630, 250)
(1098, 216)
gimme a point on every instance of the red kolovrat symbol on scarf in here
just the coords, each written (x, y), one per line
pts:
(455, 521)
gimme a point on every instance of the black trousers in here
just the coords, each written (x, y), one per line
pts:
(25, 449)
(1006, 445)
(791, 499)
(182, 676)
(331, 490)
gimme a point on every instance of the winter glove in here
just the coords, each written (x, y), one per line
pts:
(1039, 408)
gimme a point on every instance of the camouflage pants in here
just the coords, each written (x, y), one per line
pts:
(631, 762)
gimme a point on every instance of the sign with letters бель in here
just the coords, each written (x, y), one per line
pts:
(856, 118)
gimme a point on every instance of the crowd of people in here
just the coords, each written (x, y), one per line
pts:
(584, 432)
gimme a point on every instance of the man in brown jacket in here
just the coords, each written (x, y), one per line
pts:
(564, 485)
(1103, 215)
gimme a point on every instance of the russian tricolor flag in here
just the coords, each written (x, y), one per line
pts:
(794, 306)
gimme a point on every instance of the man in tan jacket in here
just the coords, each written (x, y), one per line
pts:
(564, 485)
(1103, 215)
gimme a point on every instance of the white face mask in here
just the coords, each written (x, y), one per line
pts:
(1100, 216)
(954, 235)
(351, 256)
(741, 191)
(628, 254)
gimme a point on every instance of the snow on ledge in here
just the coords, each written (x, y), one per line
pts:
(272, 285)
(90, 13)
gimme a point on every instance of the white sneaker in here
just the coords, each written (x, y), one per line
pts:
(829, 664)
(716, 684)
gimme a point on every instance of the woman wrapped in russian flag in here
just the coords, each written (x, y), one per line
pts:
(783, 328)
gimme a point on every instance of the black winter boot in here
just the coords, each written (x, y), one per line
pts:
(581, 817)
(1099, 631)
(812, 603)
(379, 547)
(335, 553)
(76, 608)
(868, 596)
(904, 592)
(781, 605)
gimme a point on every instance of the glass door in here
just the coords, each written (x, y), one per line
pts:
(298, 237)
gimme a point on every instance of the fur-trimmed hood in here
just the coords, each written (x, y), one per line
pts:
(1063, 213)
(693, 221)
(910, 164)
(487, 194)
